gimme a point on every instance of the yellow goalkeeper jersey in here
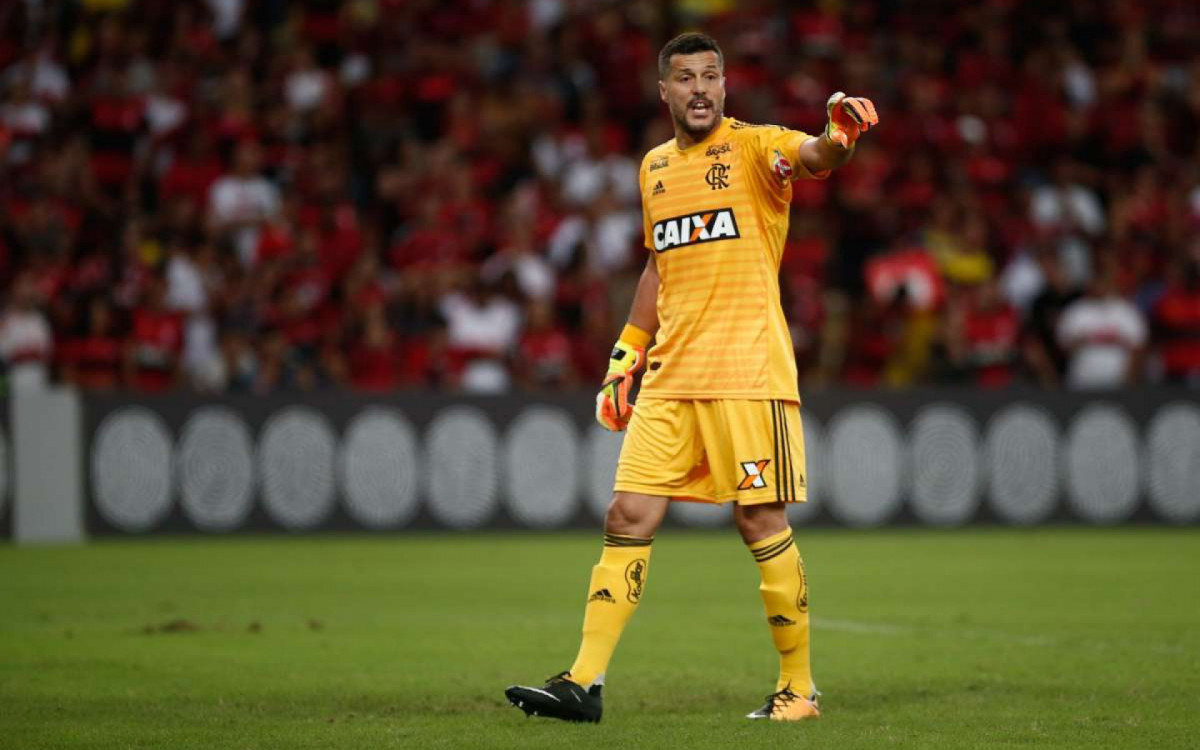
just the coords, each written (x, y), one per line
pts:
(716, 217)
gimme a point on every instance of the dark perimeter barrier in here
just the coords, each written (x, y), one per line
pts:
(423, 461)
(6, 474)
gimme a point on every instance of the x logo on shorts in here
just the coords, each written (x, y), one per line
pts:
(754, 474)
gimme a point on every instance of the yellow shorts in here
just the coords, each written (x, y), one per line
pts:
(749, 452)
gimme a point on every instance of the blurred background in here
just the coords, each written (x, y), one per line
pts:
(303, 305)
(418, 202)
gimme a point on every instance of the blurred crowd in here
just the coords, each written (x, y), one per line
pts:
(238, 196)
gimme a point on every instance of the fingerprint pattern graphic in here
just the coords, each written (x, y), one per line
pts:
(866, 461)
(131, 469)
(1102, 465)
(379, 469)
(945, 465)
(861, 465)
(541, 467)
(296, 461)
(815, 469)
(1021, 457)
(214, 463)
(603, 449)
(1173, 462)
(462, 468)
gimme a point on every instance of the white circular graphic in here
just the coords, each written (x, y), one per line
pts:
(603, 450)
(541, 462)
(378, 467)
(131, 469)
(701, 515)
(1021, 454)
(945, 465)
(814, 470)
(215, 465)
(296, 461)
(1102, 464)
(866, 460)
(461, 449)
(1173, 462)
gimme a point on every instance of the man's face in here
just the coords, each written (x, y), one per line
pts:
(694, 91)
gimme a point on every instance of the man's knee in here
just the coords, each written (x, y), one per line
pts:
(757, 522)
(630, 514)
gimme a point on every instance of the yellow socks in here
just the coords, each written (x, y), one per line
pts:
(619, 579)
(784, 591)
(613, 594)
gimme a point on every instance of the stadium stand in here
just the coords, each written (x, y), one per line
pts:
(228, 196)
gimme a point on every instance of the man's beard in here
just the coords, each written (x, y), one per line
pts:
(697, 134)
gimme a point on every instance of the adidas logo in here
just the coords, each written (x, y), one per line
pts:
(659, 189)
(603, 595)
(780, 621)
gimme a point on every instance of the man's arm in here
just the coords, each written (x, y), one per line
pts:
(629, 353)
(643, 313)
(821, 154)
(849, 117)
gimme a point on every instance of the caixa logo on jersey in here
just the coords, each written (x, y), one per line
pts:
(693, 229)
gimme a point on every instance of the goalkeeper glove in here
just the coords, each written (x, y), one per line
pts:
(849, 117)
(612, 402)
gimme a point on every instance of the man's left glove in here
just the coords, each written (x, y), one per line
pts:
(613, 409)
(849, 117)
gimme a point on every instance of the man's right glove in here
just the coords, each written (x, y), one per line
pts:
(613, 409)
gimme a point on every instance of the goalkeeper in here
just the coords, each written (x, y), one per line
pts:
(718, 414)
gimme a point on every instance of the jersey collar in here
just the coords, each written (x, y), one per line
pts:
(717, 132)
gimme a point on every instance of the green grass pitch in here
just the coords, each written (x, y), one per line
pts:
(1062, 637)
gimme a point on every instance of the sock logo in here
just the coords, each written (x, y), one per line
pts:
(602, 595)
(780, 621)
(802, 597)
(635, 579)
(754, 478)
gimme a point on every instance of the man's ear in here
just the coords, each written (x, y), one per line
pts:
(662, 91)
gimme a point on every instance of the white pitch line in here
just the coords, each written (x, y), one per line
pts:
(1044, 641)
(853, 626)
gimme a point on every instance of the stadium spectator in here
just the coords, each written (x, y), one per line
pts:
(26, 120)
(1070, 214)
(375, 361)
(1177, 317)
(26, 342)
(544, 352)
(1044, 355)
(92, 359)
(482, 326)
(984, 338)
(1103, 335)
(152, 353)
(243, 201)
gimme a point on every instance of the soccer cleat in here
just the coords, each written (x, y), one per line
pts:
(787, 706)
(559, 698)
